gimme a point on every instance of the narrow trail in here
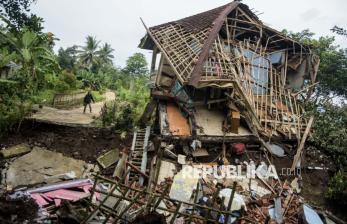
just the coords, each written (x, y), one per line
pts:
(73, 117)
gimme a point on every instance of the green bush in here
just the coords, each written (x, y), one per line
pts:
(12, 108)
(44, 97)
(131, 98)
(108, 113)
(62, 87)
(337, 190)
(330, 132)
(51, 81)
(98, 96)
(69, 78)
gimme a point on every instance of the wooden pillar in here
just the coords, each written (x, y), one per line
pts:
(154, 59)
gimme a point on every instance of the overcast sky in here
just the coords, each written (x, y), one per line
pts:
(118, 21)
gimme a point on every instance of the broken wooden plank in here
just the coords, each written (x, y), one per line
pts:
(302, 143)
(109, 158)
(118, 171)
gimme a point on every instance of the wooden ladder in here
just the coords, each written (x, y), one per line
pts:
(139, 153)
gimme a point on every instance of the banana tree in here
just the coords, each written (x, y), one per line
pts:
(32, 53)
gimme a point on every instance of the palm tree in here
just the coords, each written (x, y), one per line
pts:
(88, 53)
(105, 55)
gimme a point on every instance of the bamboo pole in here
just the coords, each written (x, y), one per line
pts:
(302, 143)
(125, 193)
(195, 201)
(176, 212)
(230, 201)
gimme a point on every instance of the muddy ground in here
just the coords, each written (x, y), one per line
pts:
(85, 143)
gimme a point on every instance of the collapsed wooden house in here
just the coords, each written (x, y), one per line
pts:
(222, 80)
(225, 75)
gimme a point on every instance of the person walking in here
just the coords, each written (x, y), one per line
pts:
(87, 101)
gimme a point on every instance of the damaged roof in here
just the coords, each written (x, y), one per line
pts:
(204, 28)
(192, 24)
(202, 20)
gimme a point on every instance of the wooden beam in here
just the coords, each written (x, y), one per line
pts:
(162, 51)
(218, 23)
(154, 59)
(302, 143)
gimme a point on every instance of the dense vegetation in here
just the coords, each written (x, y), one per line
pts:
(31, 72)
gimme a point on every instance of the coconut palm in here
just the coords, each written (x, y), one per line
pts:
(105, 55)
(88, 55)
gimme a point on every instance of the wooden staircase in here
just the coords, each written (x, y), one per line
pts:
(139, 153)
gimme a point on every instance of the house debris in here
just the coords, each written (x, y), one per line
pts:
(43, 166)
(108, 158)
(227, 94)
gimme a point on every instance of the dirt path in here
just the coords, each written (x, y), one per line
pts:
(73, 117)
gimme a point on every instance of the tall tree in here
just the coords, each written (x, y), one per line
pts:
(339, 30)
(105, 54)
(136, 65)
(16, 13)
(89, 52)
(67, 58)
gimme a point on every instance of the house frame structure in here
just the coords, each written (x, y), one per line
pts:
(227, 60)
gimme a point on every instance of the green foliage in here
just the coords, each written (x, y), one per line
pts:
(12, 108)
(337, 190)
(16, 14)
(98, 96)
(105, 54)
(339, 30)
(88, 53)
(6, 57)
(67, 58)
(108, 114)
(136, 65)
(69, 78)
(330, 132)
(333, 72)
(44, 97)
(131, 98)
(32, 54)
